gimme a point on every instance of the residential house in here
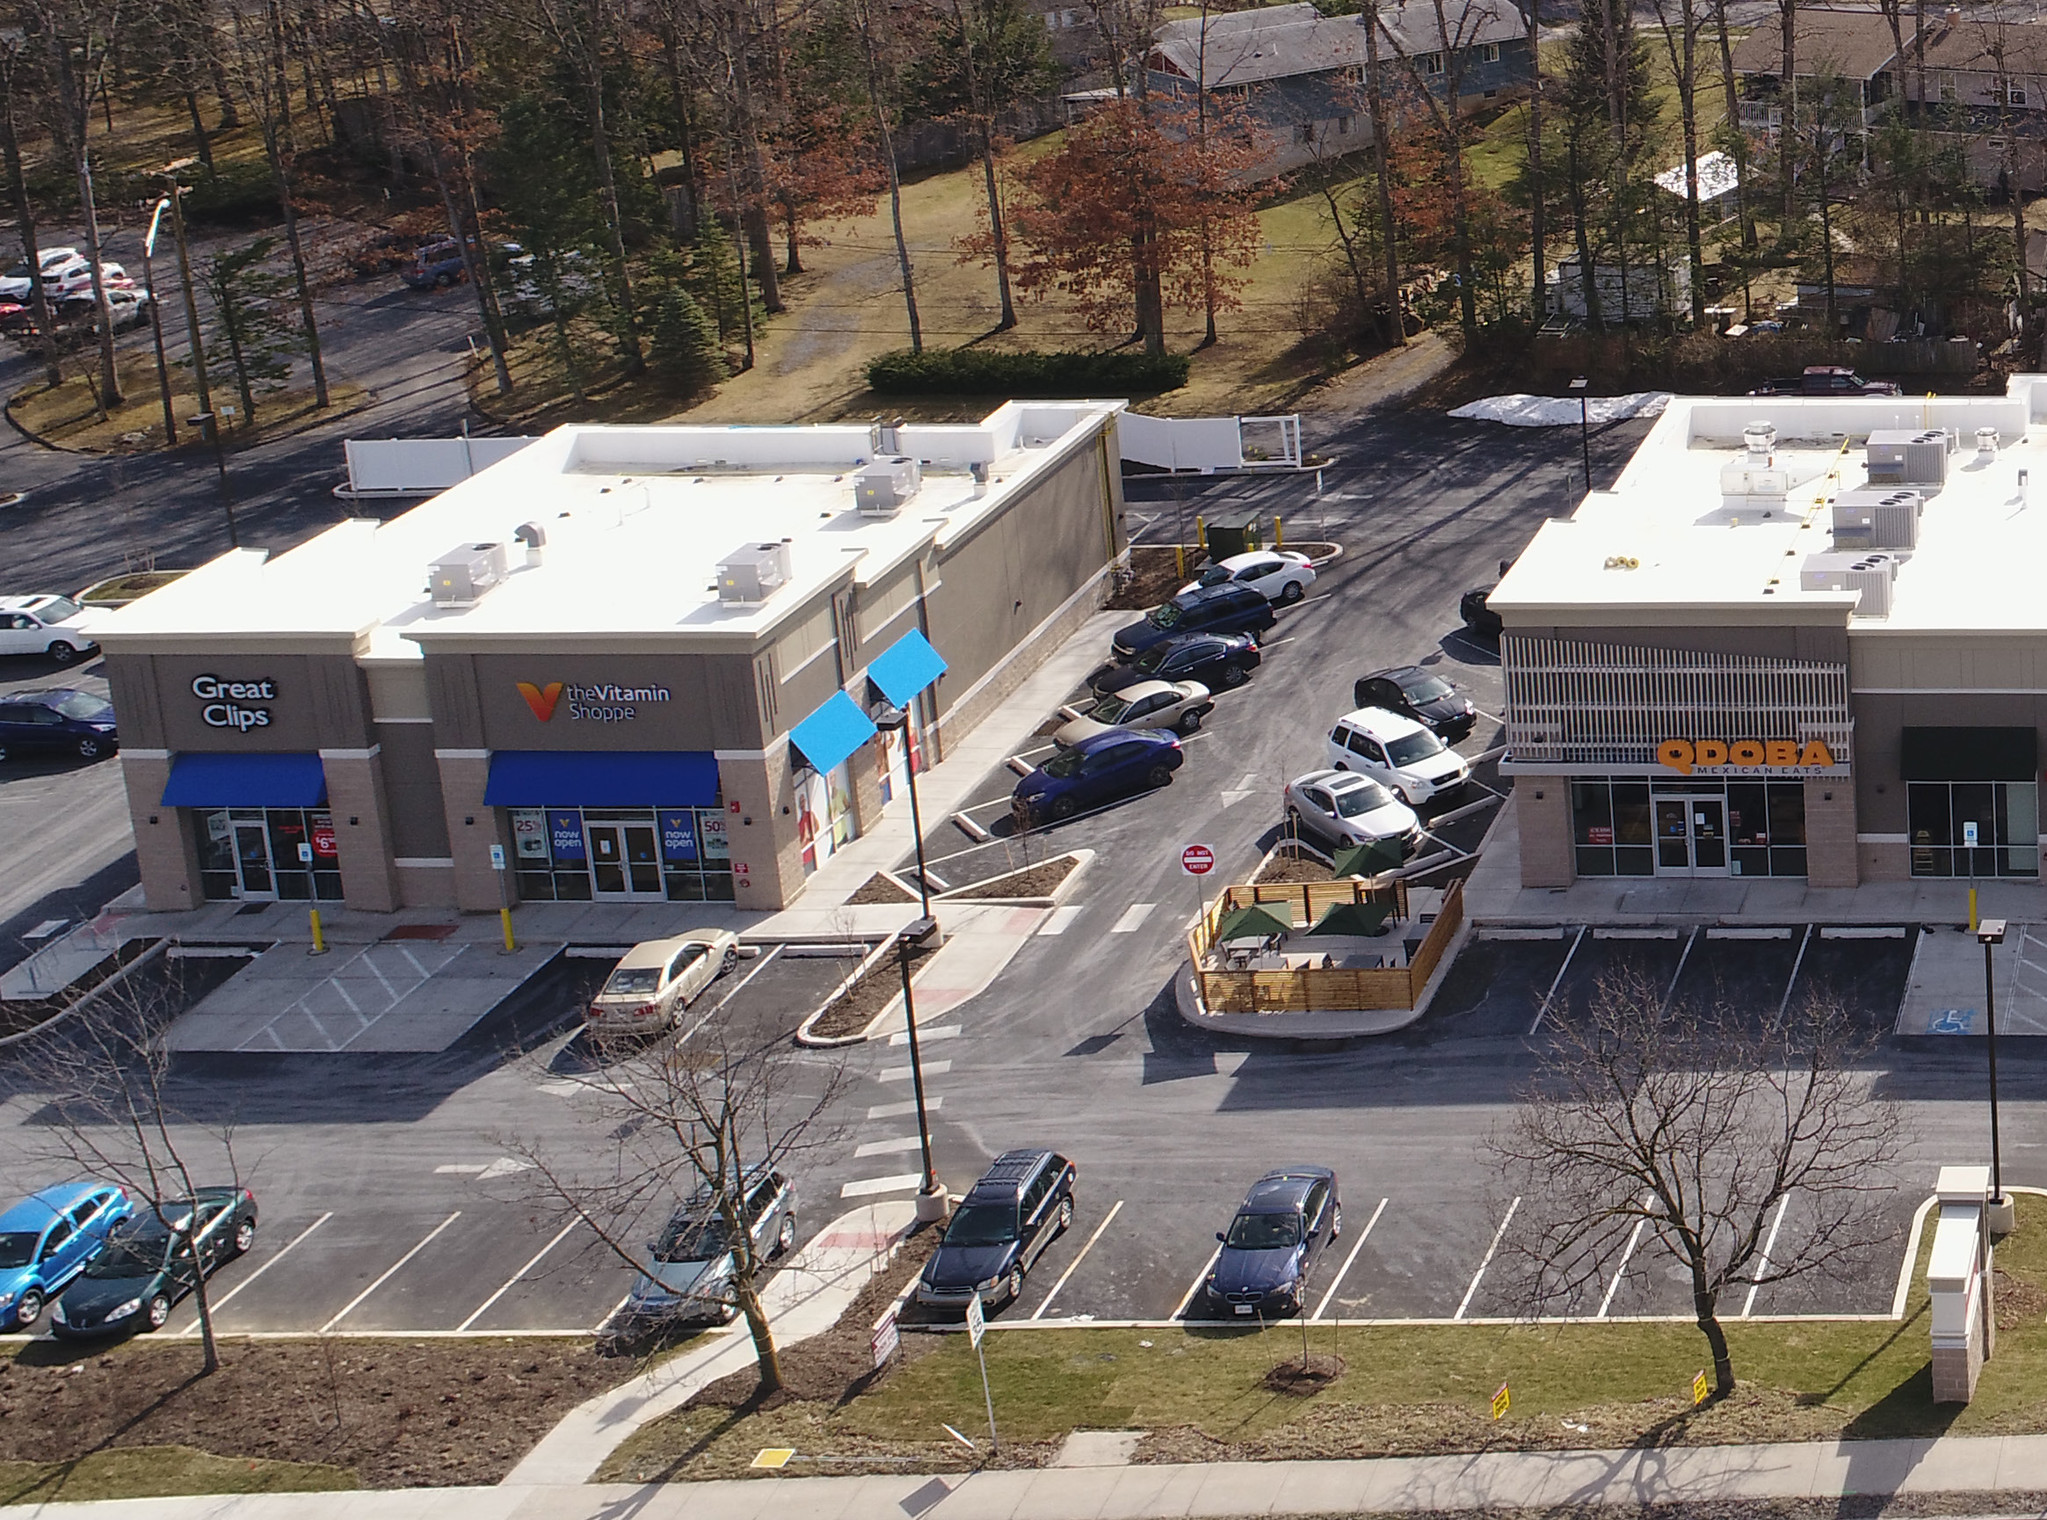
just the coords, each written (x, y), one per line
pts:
(1301, 75)
(1835, 48)
(1986, 81)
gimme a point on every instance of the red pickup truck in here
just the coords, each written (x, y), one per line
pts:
(1826, 380)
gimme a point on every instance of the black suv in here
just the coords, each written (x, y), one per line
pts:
(1001, 1227)
(1421, 695)
(1231, 608)
(1217, 660)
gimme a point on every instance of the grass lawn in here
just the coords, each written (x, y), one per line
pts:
(1202, 1393)
(64, 415)
(138, 1472)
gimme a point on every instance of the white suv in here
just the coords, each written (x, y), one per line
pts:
(45, 625)
(1396, 752)
(15, 285)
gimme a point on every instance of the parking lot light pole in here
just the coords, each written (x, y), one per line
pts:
(891, 720)
(1584, 430)
(2001, 1214)
(918, 939)
(208, 424)
(163, 369)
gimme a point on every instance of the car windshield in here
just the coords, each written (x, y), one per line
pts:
(1426, 689)
(131, 1255)
(693, 1240)
(80, 704)
(1214, 575)
(19, 271)
(58, 608)
(1062, 766)
(1355, 800)
(633, 982)
(1264, 1232)
(982, 1224)
(1167, 616)
(17, 1248)
(1414, 747)
(1151, 659)
(1109, 710)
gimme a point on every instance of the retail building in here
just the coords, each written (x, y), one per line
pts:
(574, 676)
(1799, 638)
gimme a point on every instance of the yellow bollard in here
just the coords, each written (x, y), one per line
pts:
(1200, 533)
(1278, 534)
(505, 918)
(1972, 910)
(1180, 561)
(319, 939)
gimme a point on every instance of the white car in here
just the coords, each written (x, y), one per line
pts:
(1396, 752)
(1345, 808)
(74, 278)
(1278, 575)
(14, 285)
(1178, 705)
(658, 979)
(46, 625)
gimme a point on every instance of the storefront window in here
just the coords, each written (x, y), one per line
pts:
(1766, 828)
(567, 854)
(2004, 815)
(824, 813)
(1610, 828)
(268, 854)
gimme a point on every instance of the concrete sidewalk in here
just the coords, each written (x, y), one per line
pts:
(1823, 1470)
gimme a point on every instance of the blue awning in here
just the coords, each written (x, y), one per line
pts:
(215, 781)
(831, 734)
(592, 778)
(905, 668)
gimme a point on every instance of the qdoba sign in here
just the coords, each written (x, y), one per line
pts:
(1716, 757)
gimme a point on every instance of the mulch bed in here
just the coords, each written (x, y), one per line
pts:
(1285, 869)
(1155, 576)
(1040, 880)
(1301, 1378)
(855, 1008)
(880, 889)
(21, 1014)
(400, 1414)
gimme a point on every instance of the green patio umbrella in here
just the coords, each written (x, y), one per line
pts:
(1366, 859)
(1258, 920)
(1353, 918)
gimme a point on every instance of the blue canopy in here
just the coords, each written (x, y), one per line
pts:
(597, 778)
(830, 735)
(214, 781)
(905, 668)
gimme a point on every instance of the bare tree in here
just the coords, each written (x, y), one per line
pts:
(19, 93)
(697, 1124)
(1694, 1125)
(112, 1110)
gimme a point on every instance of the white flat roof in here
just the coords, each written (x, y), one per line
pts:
(636, 521)
(1665, 547)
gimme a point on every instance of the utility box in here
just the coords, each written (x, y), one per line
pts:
(1958, 1275)
(881, 489)
(753, 573)
(1877, 519)
(1902, 457)
(1871, 573)
(462, 576)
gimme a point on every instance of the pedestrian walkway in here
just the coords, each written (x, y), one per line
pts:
(1822, 1470)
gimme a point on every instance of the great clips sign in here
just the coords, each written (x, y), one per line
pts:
(238, 705)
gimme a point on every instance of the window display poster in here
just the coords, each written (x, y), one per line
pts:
(711, 830)
(565, 834)
(841, 803)
(529, 834)
(678, 834)
(813, 821)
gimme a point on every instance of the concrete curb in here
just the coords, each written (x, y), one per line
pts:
(91, 994)
(1081, 858)
(1313, 1026)
(810, 1041)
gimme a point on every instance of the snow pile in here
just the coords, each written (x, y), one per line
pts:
(1555, 411)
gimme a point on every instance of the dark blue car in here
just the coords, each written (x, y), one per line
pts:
(1095, 771)
(1229, 608)
(1287, 1220)
(81, 722)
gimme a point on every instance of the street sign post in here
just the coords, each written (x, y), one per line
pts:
(1197, 860)
(1699, 1387)
(887, 1337)
(977, 1327)
(1500, 1402)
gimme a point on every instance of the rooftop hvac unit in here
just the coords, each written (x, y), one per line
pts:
(883, 487)
(753, 573)
(1900, 457)
(1871, 574)
(460, 577)
(1870, 519)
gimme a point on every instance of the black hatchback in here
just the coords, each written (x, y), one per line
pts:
(1229, 608)
(1002, 1226)
(61, 719)
(1421, 695)
(1217, 660)
(1285, 1223)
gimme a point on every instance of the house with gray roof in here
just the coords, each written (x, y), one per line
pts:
(1301, 74)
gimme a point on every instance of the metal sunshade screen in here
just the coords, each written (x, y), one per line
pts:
(212, 781)
(828, 737)
(905, 668)
(589, 778)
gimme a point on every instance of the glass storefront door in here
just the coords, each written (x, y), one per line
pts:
(252, 862)
(625, 860)
(1691, 836)
(570, 854)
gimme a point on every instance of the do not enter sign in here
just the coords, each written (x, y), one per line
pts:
(1197, 860)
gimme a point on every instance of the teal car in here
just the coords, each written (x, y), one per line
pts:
(47, 1239)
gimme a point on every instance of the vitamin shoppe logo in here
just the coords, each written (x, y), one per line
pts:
(605, 702)
(541, 698)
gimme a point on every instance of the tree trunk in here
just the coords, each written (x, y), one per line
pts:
(767, 1356)
(752, 209)
(1787, 98)
(996, 227)
(1588, 286)
(476, 266)
(25, 221)
(1149, 291)
(110, 379)
(1827, 236)
(1389, 237)
(607, 183)
(1538, 230)
(895, 186)
(1705, 1310)
(278, 145)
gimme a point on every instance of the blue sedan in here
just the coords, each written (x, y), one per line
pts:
(47, 1239)
(1095, 771)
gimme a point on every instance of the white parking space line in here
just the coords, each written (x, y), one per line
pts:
(1061, 920)
(893, 1147)
(598, 1328)
(926, 1036)
(902, 1073)
(1039, 1312)
(1356, 1247)
(1634, 1239)
(389, 1272)
(1199, 1278)
(1557, 981)
(1133, 918)
(867, 1187)
(513, 1280)
(215, 1305)
(1479, 1276)
(1763, 1266)
(1785, 1002)
(1678, 975)
(897, 1110)
(719, 1006)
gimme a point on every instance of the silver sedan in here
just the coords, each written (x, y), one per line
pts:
(1345, 808)
(1178, 705)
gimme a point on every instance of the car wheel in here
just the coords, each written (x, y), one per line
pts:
(1336, 1224)
(1235, 675)
(1066, 1213)
(90, 748)
(785, 1237)
(1064, 807)
(159, 1310)
(62, 652)
(731, 959)
(1290, 592)
(1189, 722)
(1158, 775)
(443, 281)
(29, 1308)
(245, 1236)
(1013, 1289)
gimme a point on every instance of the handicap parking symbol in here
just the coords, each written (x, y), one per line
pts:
(1951, 1021)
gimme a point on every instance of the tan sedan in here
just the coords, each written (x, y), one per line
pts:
(658, 979)
(1178, 705)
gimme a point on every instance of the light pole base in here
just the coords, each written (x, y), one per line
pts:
(931, 1207)
(2001, 1215)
